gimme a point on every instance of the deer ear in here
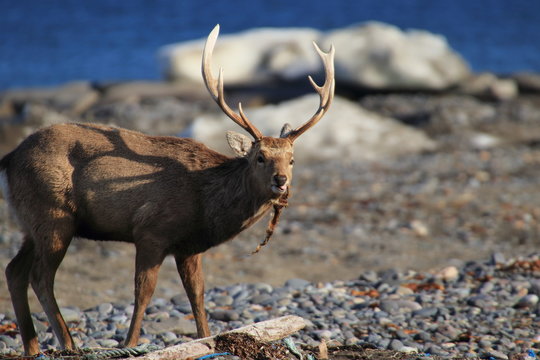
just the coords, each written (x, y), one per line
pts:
(240, 143)
(285, 130)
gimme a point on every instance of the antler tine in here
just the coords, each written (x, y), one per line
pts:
(326, 92)
(215, 87)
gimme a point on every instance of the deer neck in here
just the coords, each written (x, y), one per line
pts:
(235, 202)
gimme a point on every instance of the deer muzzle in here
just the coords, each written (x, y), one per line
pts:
(279, 184)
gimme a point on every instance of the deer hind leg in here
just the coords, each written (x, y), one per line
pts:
(190, 270)
(50, 247)
(17, 275)
(147, 263)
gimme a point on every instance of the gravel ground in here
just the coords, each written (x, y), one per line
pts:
(417, 252)
(481, 309)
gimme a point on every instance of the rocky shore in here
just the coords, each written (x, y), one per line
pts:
(479, 310)
(413, 223)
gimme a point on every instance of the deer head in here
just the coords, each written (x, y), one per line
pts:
(269, 157)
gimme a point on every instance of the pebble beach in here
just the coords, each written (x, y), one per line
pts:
(483, 309)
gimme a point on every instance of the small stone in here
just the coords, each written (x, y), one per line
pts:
(174, 325)
(262, 287)
(370, 276)
(168, 337)
(120, 319)
(395, 345)
(408, 350)
(323, 334)
(159, 316)
(449, 273)
(403, 290)
(419, 228)
(527, 301)
(105, 308)
(263, 299)
(71, 314)
(399, 306)
(223, 300)
(182, 304)
(297, 284)
(179, 299)
(498, 258)
(225, 315)
(108, 343)
(10, 342)
(496, 354)
(426, 312)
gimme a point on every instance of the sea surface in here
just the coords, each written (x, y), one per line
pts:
(46, 42)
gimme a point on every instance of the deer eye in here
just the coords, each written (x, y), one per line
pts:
(291, 162)
(260, 159)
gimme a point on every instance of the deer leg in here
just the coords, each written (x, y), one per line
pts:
(190, 270)
(147, 264)
(50, 251)
(18, 275)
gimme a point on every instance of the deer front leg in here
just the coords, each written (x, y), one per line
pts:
(190, 270)
(147, 264)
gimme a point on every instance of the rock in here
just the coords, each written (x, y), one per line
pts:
(482, 141)
(408, 350)
(71, 98)
(395, 345)
(498, 258)
(297, 284)
(174, 325)
(449, 273)
(108, 343)
(527, 301)
(105, 309)
(247, 57)
(225, 315)
(527, 81)
(419, 228)
(71, 314)
(168, 337)
(346, 132)
(399, 306)
(381, 56)
(495, 354)
(223, 300)
(373, 55)
(426, 312)
(489, 86)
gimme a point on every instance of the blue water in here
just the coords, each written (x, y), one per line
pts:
(51, 42)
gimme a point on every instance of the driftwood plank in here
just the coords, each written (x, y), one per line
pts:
(265, 331)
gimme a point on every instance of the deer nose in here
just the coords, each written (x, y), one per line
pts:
(280, 180)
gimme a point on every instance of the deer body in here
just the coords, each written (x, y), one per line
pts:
(131, 183)
(166, 195)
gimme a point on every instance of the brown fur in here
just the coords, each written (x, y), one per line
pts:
(167, 196)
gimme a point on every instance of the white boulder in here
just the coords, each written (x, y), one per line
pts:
(373, 55)
(381, 56)
(347, 131)
(248, 57)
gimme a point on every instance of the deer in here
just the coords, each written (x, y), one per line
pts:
(165, 195)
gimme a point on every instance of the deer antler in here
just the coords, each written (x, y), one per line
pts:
(215, 87)
(326, 92)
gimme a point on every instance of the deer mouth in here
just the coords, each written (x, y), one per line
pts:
(279, 189)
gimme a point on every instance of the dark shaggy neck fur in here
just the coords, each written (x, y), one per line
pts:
(231, 211)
